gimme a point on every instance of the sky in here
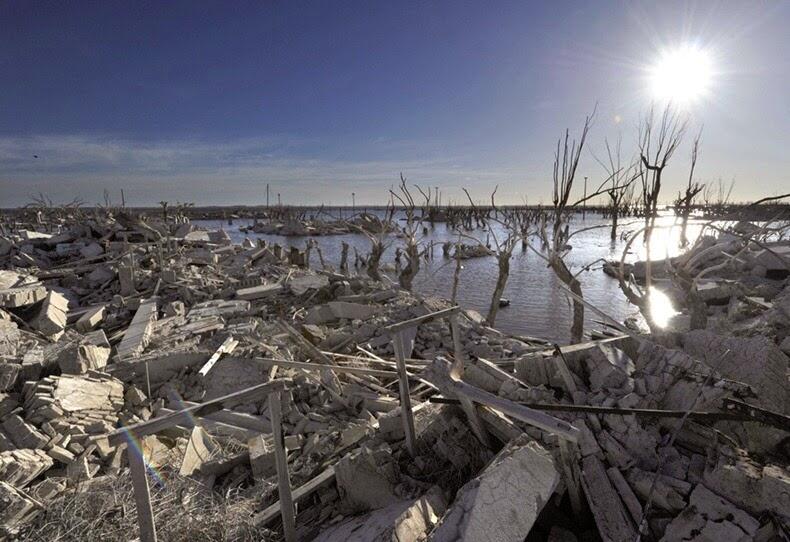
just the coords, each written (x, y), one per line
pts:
(207, 102)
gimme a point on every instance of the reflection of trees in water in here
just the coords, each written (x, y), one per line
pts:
(538, 307)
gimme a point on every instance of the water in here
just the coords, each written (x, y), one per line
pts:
(539, 307)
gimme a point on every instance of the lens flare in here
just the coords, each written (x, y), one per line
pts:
(682, 75)
(661, 309)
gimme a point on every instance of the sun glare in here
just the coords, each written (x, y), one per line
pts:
(681, 75)
(661, 309)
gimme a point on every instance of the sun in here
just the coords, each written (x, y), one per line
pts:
(681, 75)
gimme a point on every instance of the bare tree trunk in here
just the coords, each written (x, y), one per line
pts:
(344, 259)
(503, 261)
(684, 224)
(614, 222)
(456, 278)
(698, 309)
(406, 277)
(565, 275)
(372, 268)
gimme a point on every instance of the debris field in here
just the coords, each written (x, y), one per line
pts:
(160, 382)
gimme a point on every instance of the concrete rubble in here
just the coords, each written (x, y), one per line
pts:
(116, 320)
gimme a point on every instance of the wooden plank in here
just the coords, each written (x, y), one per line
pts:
(259, 424)
(142, 496)
(281, 460)
(150, 427)
(439, 374)
(395, 328)
(407, 416)
(336, 368)
(212, 426)
(269, 513)
(228, 346)
(567, 349)
(638, 412)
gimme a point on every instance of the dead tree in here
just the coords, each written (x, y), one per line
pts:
(716, 196)
(378, 244)
(504, 244)
(685, 203)
(344, 258)
(621, 188)
(566, 162)
(411, 231)
(655, 150)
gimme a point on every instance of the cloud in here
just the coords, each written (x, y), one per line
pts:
(231, 172)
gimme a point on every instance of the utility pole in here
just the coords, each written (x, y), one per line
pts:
(267, 195)
(353, 201)
(436, 197)
(584, 209)
(279, 202)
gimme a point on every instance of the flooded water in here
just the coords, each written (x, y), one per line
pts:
(538, 305)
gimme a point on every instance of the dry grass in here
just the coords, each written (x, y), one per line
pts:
(184, 510)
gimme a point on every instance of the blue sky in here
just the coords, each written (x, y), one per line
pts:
(207, 102)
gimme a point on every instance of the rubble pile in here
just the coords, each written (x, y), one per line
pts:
(113, 321)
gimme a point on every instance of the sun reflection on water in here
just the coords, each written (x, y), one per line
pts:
(661, 309)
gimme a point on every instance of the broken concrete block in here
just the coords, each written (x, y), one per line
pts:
(200, 449)
(47, 489)
(366, 480)
(23, 434)
(404, 521)
(51, 319)
(502, 503)
(336, 310)
(9, 375)
(134, 396)
(22, 296)
(154, 450)
(667, 492)
(715, 292)
(9, 338)
(174, 308)
(262, 458)
(776, 261)
(91, 250)
(76, 405)
(751, 486)
(259, 292)
(138, 334)
(90, 319)
(708, 517)
(610, 368)
(82, 358)
(61, 454)
(20, 467)
(300, 285)
(126, 279)
(16, 508)
(100, 275)
(756, 361)
(610, 515)
(80, 469)
(7, 404)
(220, 307)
